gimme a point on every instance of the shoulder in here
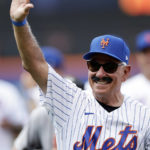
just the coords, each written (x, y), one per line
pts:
(128, 100)
(5, 85)
(10, 95)
(134, 79)
(134, 82)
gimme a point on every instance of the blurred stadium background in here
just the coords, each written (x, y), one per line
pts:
(70, 25)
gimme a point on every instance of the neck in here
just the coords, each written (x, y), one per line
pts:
(111, 100)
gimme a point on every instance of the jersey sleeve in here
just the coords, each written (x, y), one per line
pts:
(37, 132)
(29, 134)
(59, 98)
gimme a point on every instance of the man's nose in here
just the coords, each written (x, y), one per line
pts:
(100, 73)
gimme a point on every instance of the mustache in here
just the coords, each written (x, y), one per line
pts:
(105, 79)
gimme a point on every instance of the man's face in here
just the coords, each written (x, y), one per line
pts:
(104, 83)
(143, 60)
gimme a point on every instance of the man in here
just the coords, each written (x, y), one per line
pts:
(13, 114)
(101, 120)
(38, 132)
(138, 86)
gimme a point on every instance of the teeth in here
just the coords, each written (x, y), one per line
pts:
(102, 82)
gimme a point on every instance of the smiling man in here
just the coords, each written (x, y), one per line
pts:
(104, 119)
(107, 65)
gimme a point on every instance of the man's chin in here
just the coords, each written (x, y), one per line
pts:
(99, 96)
(100, 92)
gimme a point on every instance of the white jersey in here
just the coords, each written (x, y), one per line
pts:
(37, 133)
(82, 123)
(138, 87)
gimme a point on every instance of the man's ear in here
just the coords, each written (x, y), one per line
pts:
(127, 70)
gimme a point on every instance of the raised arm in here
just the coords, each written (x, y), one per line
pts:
(29, 50)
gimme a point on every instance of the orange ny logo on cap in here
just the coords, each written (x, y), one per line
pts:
(104, 43)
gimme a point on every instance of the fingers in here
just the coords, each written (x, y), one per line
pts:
(28, 7)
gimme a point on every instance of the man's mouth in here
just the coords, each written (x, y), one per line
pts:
(103, 80)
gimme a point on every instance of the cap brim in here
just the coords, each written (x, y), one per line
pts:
(89, 55)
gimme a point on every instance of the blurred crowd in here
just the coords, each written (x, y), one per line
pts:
(23, 120)
(21, 116)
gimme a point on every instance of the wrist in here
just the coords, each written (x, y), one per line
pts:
(19, 23)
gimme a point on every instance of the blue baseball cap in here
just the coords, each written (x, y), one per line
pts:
(53, 56)
(143, 40)
(109, 45)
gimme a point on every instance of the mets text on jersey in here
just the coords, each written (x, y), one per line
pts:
(89, 140)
